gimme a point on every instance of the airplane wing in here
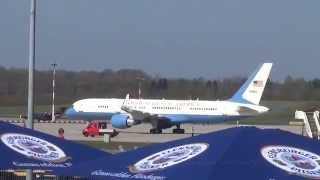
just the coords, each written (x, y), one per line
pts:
(137, 114)
(156, 120)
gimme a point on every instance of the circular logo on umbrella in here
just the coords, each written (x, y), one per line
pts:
(168, 157)
(34, 147)
(293, 160)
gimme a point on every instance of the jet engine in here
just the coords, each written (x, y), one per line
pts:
(122, 121)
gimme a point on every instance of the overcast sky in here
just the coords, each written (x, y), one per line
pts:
(171, 38)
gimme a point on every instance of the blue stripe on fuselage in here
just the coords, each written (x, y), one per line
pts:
(76, 115)
(201, 118)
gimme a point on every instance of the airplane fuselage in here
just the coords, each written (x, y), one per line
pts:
(179, 111)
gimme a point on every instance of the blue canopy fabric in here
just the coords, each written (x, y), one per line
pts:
(23, 148)
(235, 153)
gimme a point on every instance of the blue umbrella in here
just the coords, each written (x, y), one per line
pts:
(235, 153)
(23, 148)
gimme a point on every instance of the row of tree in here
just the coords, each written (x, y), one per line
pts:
(71, 86)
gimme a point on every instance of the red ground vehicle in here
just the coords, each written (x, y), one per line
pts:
(98, 128)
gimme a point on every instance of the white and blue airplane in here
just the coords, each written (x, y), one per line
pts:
(162, 113)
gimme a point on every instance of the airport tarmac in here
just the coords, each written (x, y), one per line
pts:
(140, 133)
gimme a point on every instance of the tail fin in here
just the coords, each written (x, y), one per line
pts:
(251, 91)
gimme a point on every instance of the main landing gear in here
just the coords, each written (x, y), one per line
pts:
(155, 131)
(178, 130)
(158, 129)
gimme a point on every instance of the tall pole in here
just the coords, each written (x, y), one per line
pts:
(139, 90)
(53, 90)
(140, 79)
(29, 124)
